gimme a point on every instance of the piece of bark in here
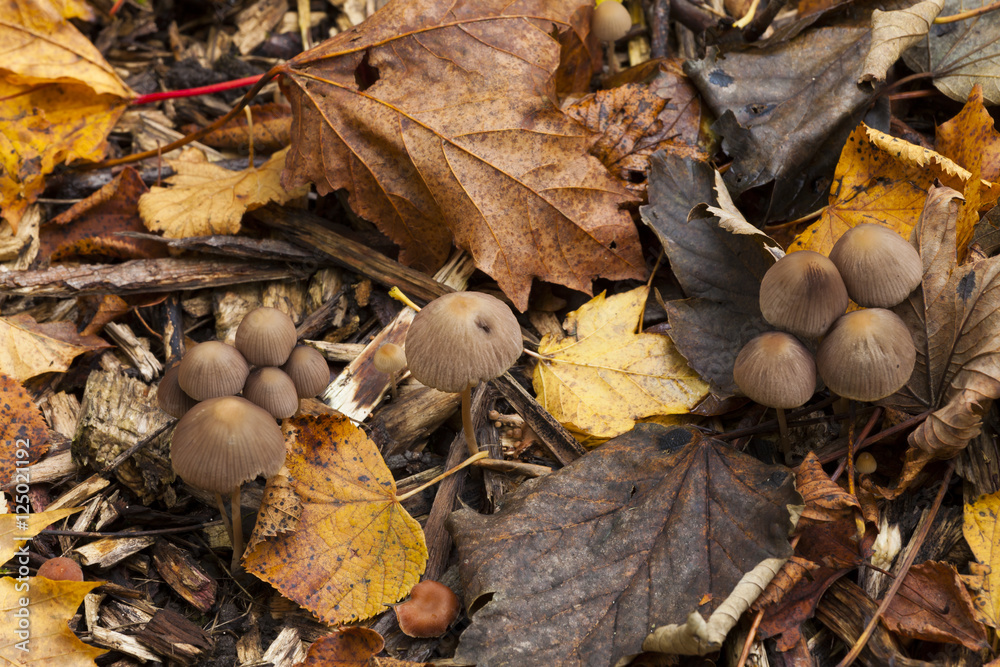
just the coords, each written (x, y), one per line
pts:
(54, 466)
(183, 574)
(553, 435)
(328, 314)
(338, 353)
(136, 349)
(230, 304)
(173, 328)
(116, 641)
(118, 412)
(845, 610)
(107, 551)
(62, 412)
(79, 493)
(143, 276)
(286, 650)
(288, 296)
(413, 416)
(237, 247)
(174, 637)
(310, 231)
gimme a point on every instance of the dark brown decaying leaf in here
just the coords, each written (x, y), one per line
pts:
(458, 139)
(657, 110)
(954, 318)
(649, 527)
(933, 604)
(24, 437)
(272, 128)
(579, 56)
(788, 129)
(825, 499)
(719, 264)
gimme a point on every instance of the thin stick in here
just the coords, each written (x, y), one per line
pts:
(967, 15)
(467, 462)
(225, 517)
(916, 542)
(237, 532)
(467, 427)
(861, 439)
(786, 446)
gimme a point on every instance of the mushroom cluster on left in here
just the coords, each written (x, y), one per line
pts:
(223, 439)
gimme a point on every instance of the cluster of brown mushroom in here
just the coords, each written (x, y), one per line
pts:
(223, 440)
(864, 355)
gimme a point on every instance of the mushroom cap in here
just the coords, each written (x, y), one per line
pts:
(879, 267)
(866, 463)
(169, 395)
(776, 370)
(461, 339)
(223, 442)
(803, 293)
(389, 358)
(611, 21)
(61, 569)
(271, 388)
(308, 370)
(867, 355)
(266, 337)
(212, 369)
(429, 612)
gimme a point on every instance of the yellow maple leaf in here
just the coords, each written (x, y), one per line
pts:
(34, 617)
(12, 534)
(982, 532)
(206, 199)
(884, 180)
(29, 348)
(59, 100)
(604, 377)
(355, 549)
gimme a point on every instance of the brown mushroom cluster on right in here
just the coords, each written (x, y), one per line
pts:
(865, 355)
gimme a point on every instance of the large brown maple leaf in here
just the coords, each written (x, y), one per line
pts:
(438, 119)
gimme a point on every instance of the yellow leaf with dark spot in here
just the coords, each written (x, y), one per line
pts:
(983, 535)
(50, 606)
(604, 376)
(355, 549)
(10, 532)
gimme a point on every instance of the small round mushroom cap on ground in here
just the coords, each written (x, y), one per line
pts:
(271, 388)
(866, 463)
(266, 337)
(867, 355)
(223, 442)
(611, 21)
(803, 293)
(879, 267)
(308, 370)
(431, 609)
(212, 369)
(169, 395)
(461, 339)
(776, 370)
(389, 358)
(61, 569)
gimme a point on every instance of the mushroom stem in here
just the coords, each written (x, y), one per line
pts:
(225, 517)
(467, 427)
(786, 446)
(393, 391)
(237, 531)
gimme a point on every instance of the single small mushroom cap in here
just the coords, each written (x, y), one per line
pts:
(266, 337)
(803, 293)
(462, 339)
(271, 388)
(60, 569)
(776, 370)
(308, 370)
(389, 358)
(169, 395)
(866, 463)
(611, 21)
(212, 369)
(431, 609)
(223, 442)
(867, 355)
(879, 267)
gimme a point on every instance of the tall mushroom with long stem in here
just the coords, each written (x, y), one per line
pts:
(459, 340)
(221, 443)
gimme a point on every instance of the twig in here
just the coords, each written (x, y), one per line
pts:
(915, 543)
(134, 533)
(967, 14)
(194, 92)
(893, 430)
(124, 456)
(850, 454)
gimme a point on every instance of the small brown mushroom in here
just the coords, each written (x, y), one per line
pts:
(611, 21)
(390, 358)
(803, 293)
(272, 389)
(866, 463)
(459, 340)
(308, 370)
(60, 569)
(169, 395)
(212, 369)
(776, 370)
(266, 337)
(867, 355)
(431, 609)
(879, 267)
(222, 443)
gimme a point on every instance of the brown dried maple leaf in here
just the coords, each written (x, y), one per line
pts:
(439, 121)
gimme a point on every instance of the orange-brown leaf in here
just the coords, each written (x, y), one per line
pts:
(825, 500)
(971, 136)
(272, 130)
(31, 348)
(23, 434)
(438, 120)
(355, 549)
(347, 647)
